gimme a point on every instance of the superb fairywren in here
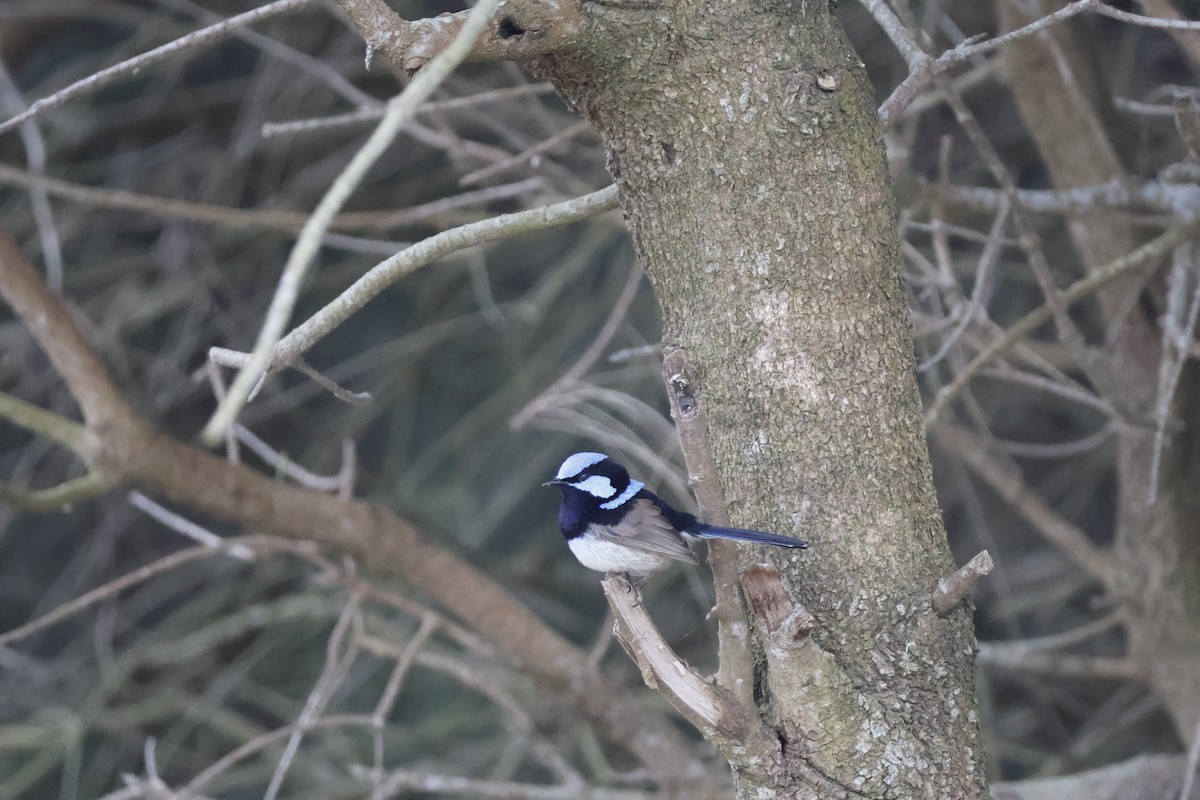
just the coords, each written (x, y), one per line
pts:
(612, 524)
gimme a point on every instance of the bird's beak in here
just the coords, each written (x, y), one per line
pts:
(552, 483)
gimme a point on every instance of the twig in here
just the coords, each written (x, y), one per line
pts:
(191, 530)
(341, 393)
(912, 85)
(1058, 449)
(1175, 354)
(57, 429)
(295, 59)
(57, 498)
(589, 357)
(546, 145)
(399, 110)
(221, 765)
(257, 218)
(112, 588)
(900, 35)
(982, 285)
(307, 334)
(1008, 484)
(363, 115)
(35, 157)
(1179, 199)
(1193, 758)
(1096, 279)
(1054, 385)
(1146, 22)
(137, 63)
(284, 465)
(1163, 9)
(387, 698)
(337, 666)
(952, 589)
(1067, 331)
(316, 327)
(1012, 656)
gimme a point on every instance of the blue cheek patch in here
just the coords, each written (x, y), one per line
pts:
(625, 496)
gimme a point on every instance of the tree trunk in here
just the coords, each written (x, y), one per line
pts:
(751, 171)
(745, 144)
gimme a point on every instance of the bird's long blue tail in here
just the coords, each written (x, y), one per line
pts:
(741, 535)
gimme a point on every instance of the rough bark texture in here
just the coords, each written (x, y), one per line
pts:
(745, 144)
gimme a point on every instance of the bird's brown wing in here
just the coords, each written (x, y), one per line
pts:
(645, 528)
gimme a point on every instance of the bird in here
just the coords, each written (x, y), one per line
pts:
(612, 523)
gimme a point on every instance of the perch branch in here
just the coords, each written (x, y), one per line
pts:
(661, 668)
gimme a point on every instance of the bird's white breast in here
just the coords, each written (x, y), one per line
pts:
(605, 556)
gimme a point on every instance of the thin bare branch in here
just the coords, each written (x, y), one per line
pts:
(307, 334)
(64, 344)
(927, 70)
(57, 429)
(35, 157)
(337, 666)
(1007, 482)
(1096, 279)
(256, 218)
(399, 110)
(1144, 21)
(589, 356)
(1012, 656)
(525, 156)
(195, 39)
(364, 115)
(1179, 324)
(1179, 199)
(57, 498)
(115, 587)
(197, 533)
(899, 33)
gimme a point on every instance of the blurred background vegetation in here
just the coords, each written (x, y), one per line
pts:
(219, 652)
